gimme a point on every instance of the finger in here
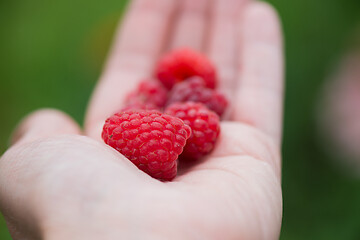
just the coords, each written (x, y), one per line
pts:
(259, 96)
(136, 48)
(190, 28)
(224, 42)
(44, 123)
(17, 233)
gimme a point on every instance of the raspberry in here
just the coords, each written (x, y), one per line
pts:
(149, 139)
(205, 126)
(194, 90)
(182, 64)
(149, 93)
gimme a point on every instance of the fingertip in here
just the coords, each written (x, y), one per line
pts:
(261, 21)
(260, 90)
(44, 123)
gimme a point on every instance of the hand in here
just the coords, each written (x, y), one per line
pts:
(56, 183)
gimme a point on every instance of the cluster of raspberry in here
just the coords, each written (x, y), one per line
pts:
(170, 119)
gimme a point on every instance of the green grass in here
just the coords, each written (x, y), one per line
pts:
(52, 53)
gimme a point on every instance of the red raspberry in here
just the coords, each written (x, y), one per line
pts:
(182, 64)
(149, 93)
(194, 90)
(205, 126)
(149, 139)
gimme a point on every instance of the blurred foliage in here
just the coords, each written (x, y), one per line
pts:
(52, 54)
(320, 202)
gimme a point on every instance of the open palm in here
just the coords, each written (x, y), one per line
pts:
(56, 183)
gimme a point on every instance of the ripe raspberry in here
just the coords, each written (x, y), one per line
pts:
(150, 93)
(182, 64)
(194, 90)
(205, 126)
(149, 139)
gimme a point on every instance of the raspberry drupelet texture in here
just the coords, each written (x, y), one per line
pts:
(195, 90)
(151, 140)
(205, 126)
(182, 64)
(150, 94)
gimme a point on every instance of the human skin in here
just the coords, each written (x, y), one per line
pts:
(58, 181)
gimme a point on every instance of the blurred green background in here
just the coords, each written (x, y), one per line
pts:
(51, 54)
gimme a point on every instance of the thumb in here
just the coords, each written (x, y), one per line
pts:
(44, 123)
(40, 124)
